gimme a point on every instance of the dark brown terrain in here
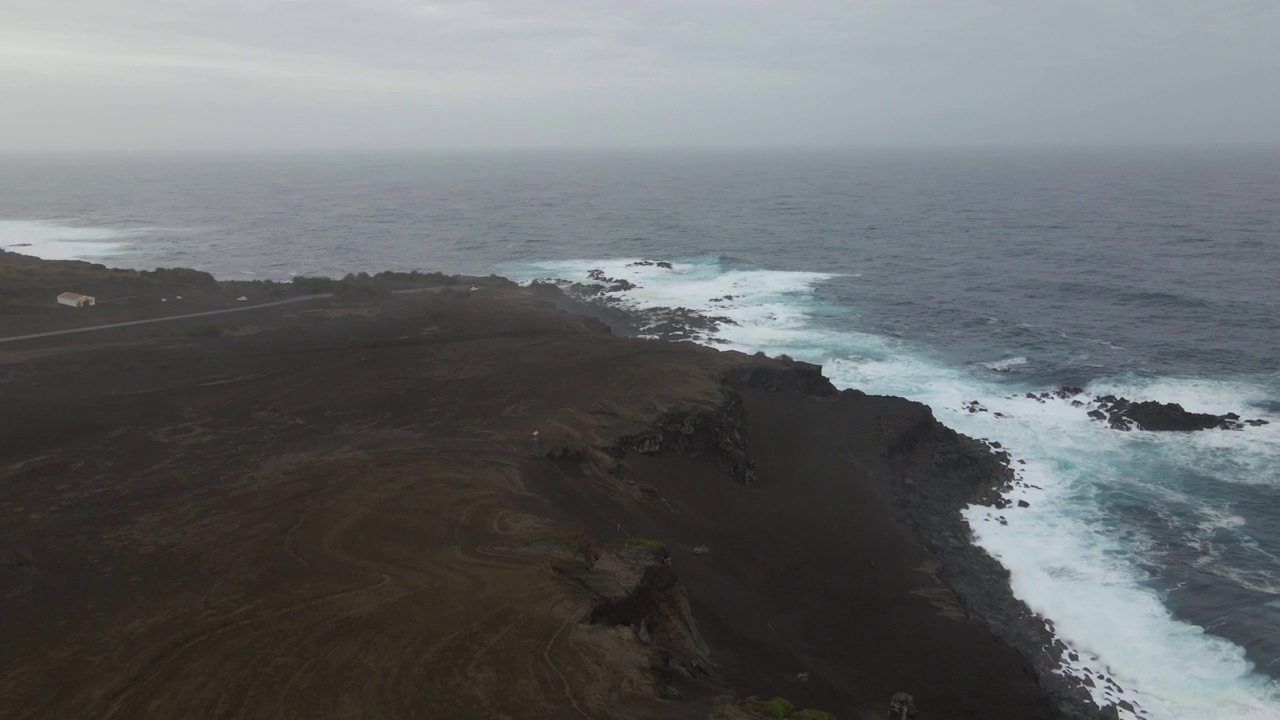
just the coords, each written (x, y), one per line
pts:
(462, 504)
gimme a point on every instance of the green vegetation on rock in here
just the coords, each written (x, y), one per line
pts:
(812, 715)
(776, 708)
(641, 542)
(780, 707)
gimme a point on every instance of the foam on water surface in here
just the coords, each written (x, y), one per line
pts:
(1076, 561)
(1072, 554)
(52, 241)
(1006, 364)
(766, 310)
(1080, 553)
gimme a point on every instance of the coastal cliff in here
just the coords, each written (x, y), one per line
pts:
(469, 503)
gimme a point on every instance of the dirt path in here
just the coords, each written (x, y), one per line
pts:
(208, 313)
(187, 316)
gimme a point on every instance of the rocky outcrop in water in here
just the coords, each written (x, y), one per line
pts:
(1124, 414)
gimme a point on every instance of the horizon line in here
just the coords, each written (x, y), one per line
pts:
(515, 149)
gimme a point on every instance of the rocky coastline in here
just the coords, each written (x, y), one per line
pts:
(644, 529)
(937, 472)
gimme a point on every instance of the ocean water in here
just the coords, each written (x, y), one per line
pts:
(945, 277)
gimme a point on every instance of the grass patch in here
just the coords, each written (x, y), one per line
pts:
(776, 708)
(204, 329)
(641, 542)
(812, 715)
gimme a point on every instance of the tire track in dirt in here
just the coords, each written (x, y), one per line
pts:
(546, 657)
(158, 665)
(330, 546)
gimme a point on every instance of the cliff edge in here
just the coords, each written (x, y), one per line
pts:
(467, 503)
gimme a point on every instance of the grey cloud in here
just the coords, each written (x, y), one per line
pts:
(209, 74)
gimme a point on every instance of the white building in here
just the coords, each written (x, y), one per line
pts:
(75, 299)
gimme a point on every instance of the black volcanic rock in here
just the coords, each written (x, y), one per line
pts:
(1152, 415)
(1124, 414)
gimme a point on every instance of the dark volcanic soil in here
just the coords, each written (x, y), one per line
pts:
(464, 504)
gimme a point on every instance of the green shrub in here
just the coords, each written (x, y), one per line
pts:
(775, 708)
(356, 285)
(415, 278)
(179, 275)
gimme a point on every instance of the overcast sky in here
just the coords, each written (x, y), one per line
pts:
(299, 74)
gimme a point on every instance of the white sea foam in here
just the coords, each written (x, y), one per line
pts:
(1071, 565)
(1250, 457)
(51, 241)
(1070, 559)
(769, 310)
(1006, 364)
(1082, 574)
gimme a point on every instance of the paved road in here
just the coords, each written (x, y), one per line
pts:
(288, 301)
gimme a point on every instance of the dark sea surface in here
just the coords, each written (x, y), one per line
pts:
(946, 277)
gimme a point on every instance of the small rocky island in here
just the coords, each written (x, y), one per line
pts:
(1122, 414)
(416, 495)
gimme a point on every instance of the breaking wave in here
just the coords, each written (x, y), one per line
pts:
(51, 241)
(1115, 522)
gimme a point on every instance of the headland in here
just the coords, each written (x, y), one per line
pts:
(412, 495)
